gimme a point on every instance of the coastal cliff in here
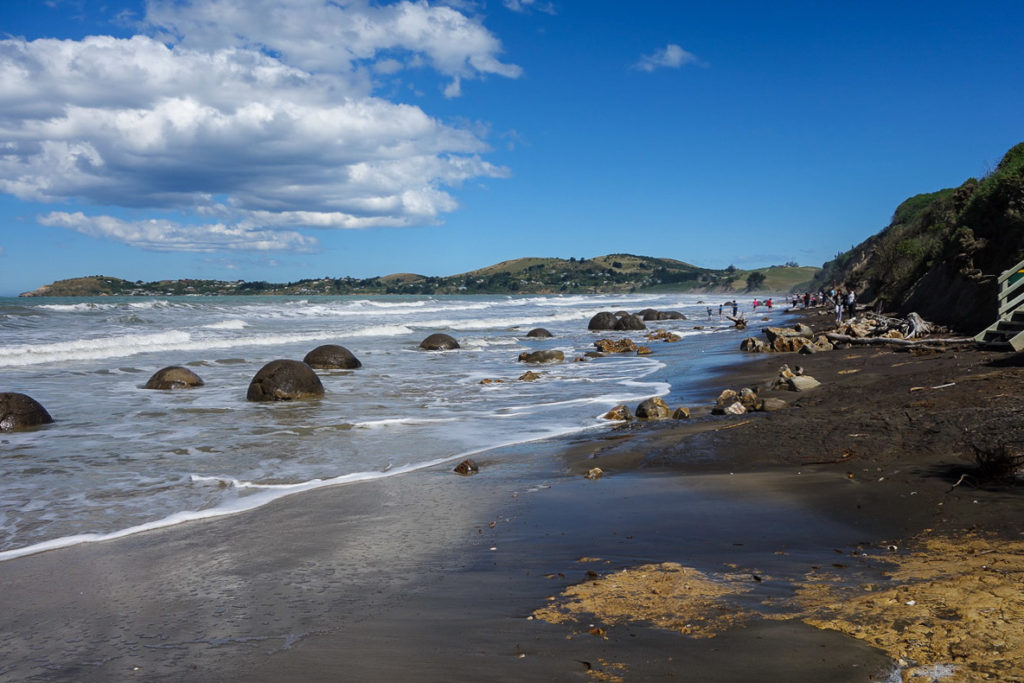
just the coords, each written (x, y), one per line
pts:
(942, 252)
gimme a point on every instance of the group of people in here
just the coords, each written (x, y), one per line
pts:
(841, 302)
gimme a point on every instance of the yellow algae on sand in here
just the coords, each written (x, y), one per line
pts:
(668, 595)
(953, 608)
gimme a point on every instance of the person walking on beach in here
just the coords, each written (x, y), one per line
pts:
(838, 304)
(709, 313)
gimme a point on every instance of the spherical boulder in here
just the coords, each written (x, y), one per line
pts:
(653, 409)
(18, 412)
(648, 314)
(439, 342)
(174, 377)
(670, 315)
(284, 380)
(605, 320)
(630, 322)
(549, 356)
(331, 357)
(539, 332)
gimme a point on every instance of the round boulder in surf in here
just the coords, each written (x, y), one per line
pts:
(439, 342)
(174, 377)
(331, 357)
(18, 412)
(284, 380)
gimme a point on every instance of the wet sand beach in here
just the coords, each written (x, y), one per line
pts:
(717, 549)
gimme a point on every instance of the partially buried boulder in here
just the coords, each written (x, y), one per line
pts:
(18, 412)
(605, 320)
(331, 357)
(615, 345)
(549, 356)
(284, 380)
(439, 342)
(174, 377)
(539, 332)
(653, 409)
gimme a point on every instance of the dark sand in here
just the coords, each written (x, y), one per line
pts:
(436, 577)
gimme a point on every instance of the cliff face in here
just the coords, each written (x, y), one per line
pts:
(942, 252)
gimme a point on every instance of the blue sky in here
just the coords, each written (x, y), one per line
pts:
(282, 139)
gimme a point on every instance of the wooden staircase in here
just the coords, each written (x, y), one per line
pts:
(1008, 331)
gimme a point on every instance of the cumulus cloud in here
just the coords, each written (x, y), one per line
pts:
(671, 57)
(258, 115)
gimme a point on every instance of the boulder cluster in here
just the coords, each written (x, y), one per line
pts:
(625, 321)
(649, 409)
(797, 339)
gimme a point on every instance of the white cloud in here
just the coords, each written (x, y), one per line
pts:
(671, 56)
(523, 6)
(213, 124)
(163, 235)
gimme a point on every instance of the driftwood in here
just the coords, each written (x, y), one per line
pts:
(740, 322)
(910, 327)
(907, 343)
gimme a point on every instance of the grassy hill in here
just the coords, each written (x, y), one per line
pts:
(611, 273)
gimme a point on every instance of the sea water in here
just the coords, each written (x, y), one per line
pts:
(121, 459)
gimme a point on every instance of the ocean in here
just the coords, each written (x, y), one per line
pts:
(120, 459)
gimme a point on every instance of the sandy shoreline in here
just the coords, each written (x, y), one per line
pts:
(437, 577)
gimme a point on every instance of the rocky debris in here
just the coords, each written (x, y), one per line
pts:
(732, 402)
(593, 354)
(466, 468)
(529, 376)
(616, 345)
(439, 342)
(754, 345)
(594, 473)
(173, 377)
(580, 359)
(19, 412)
(620, 413)
(284, 380)
(547, 356)
(663, 335)
(605, 320)
(630, 322)
(770, 404)
(682, 413)
(653, 409)
(643, 351)
(331, 357)
(491, 381)
(539, 333)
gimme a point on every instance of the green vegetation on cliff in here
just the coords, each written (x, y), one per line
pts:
(942, 252)
(612, 273)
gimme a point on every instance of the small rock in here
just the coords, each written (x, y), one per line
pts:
(594, 473)
(539, 332)
(802, 383)
(643, 351)
(770, 404)
(620, 412)
(491, 381)
(682, 413)
(616, 345)
(653, 409)
(548, 356)
(466, 468)
(529, 376)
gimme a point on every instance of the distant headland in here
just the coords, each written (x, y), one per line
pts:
(613, 273)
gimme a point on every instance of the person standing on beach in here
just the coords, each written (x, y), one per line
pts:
(837, 300)
(735, 308)
(719, 311)
(851, 302)
(709, 313)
